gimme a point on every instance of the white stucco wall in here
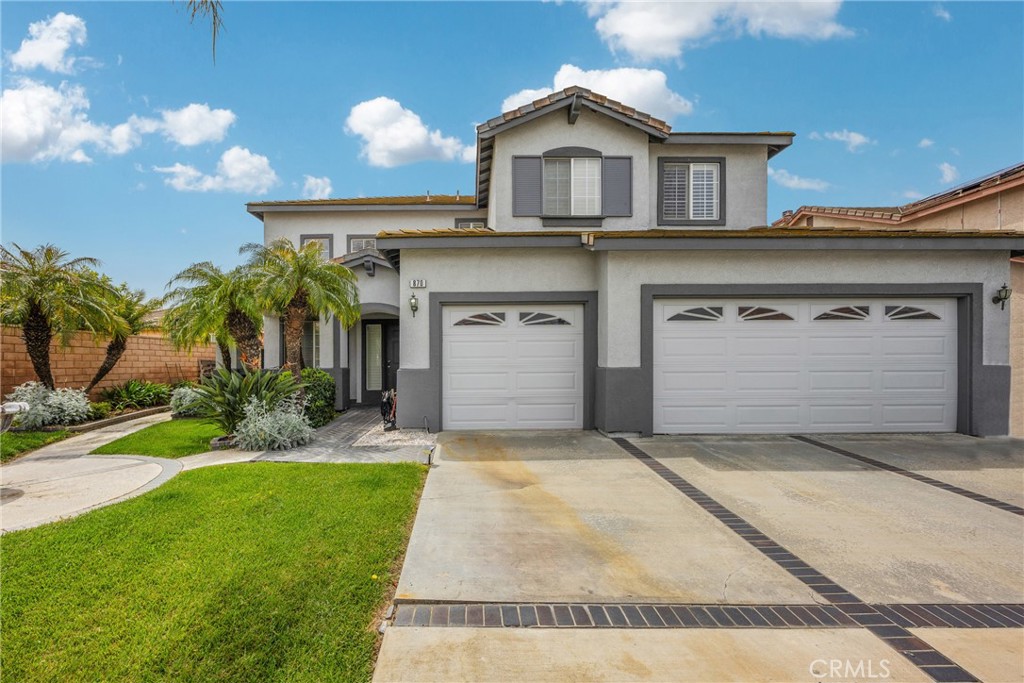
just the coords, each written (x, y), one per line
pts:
(627, 271)
(341, 224)
(533, 138)
(382, 288)
(490, 270)
(746, 182)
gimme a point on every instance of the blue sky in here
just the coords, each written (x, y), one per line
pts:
(123, 140)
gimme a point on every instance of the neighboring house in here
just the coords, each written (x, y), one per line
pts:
(613, 274)
(993, 203)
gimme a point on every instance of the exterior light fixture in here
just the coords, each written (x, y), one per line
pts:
(1002, 296)
(414, 304)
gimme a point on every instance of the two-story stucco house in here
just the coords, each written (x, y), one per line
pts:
(610, 273)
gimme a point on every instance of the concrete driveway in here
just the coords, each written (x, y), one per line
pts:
(571, 556)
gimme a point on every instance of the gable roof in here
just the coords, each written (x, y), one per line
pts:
(972, 190)
(574, 98)
(411, 202)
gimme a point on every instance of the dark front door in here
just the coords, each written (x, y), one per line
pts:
(380, 358)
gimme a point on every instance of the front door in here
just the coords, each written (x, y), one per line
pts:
(380, 358)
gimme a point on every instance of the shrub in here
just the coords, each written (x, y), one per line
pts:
(319, 396)
(46, 407)
(224, 395)
(137, 393)
(185, 402)
(270, 429)
(99, 410)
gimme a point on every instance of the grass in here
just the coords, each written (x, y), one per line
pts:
(172, 439)
(251, 572)
(16, 443)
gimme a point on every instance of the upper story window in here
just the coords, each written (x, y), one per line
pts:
(360, 242)
(326, 244)
(470, 223)
(572, 186)
(691, 191)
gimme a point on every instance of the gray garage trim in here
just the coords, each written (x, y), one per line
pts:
(983, 391)
(419, 390)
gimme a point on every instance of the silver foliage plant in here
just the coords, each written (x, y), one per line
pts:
(280, 428)
(185, 402)
(50, 407)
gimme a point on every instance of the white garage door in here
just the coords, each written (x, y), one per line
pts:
(512, 367)
(790, 365)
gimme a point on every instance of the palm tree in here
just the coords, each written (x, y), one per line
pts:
(211, 8)
(134, 313)
(209, 301)
(47, 294)
(299, 284)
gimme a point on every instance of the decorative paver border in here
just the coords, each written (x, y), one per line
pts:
(914, 649)
(644, 615)
(924, 479)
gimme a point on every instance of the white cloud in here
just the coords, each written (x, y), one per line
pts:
(815, 135)
(942, 13)
(853, 140)
(648, 30)
(43, 123)
(949, 172)
(926, 143)
(316, 188)
(645, 89)
(196, 124)
(393, 135)
(795, 182)
(48, 43)
(238, 170)
(912, 195)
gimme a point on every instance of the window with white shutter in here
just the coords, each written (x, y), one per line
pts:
(691, 191)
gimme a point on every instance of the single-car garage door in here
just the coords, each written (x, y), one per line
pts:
(812, 365)
(512, 367)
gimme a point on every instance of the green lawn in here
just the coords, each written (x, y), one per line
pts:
(250, 572)
(171, 439)
(15, 443)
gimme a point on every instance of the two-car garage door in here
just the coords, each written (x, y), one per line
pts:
(811, 365)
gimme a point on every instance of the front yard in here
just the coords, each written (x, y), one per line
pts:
(15, 443)
(251, 572)
(172, 439)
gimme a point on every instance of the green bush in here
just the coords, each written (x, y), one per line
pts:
(99, 410)
(137, 393)
(185, 402)
(319, 396)
(224, 395)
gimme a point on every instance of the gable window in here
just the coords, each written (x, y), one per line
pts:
(691, 191)
(572, 186)
(470, 223)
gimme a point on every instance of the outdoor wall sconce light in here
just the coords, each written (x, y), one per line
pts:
(414, 304)
(1002, 296)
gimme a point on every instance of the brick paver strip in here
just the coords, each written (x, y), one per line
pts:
(896, 618)
(924, 479)
(902, 640)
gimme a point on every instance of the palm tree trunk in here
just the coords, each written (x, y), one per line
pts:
(247, 335)
(294, 319)
(225, 352)
(38, 334)
(115, 349)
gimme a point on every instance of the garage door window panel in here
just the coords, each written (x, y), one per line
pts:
(494, 319)
(698, 314)
(842, 313)
(909, 313)
(760, 313)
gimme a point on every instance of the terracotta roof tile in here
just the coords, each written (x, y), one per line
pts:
(594, 97)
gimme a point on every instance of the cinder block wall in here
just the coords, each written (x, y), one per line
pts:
(1017, 348)
(149, 356)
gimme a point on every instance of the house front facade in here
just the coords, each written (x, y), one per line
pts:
(610, 273)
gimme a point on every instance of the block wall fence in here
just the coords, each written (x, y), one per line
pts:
(148, 356)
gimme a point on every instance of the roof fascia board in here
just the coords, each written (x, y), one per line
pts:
(807, 243)
(477, 241)
(566, 103)
(963, 199)
(303, 208)
(728, 139)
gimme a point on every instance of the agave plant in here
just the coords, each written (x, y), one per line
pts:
(224, 395)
